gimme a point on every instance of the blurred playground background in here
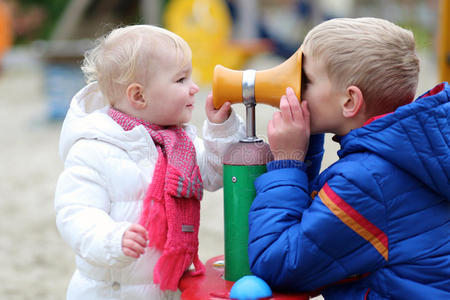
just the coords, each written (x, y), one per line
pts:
(41, 46)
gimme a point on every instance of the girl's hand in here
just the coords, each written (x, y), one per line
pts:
(134, 241)
(289, 130)
(217, 115)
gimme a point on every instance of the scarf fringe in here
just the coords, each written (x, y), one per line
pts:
(171, 266)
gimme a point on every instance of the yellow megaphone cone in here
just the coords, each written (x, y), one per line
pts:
(266, 86)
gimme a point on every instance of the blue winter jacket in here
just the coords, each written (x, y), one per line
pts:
(378, 217)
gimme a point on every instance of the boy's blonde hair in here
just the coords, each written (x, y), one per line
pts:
(130, 54)
(375, 55)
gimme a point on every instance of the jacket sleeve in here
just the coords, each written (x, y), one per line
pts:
(82, 205)
(301, 244)
(210, 151)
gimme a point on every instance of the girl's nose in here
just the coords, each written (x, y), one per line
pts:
(194, 89)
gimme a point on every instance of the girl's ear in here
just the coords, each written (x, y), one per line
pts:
(353, 103)
(135, 96)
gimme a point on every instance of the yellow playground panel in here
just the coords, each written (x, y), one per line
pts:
(444, 40)
(207, 27)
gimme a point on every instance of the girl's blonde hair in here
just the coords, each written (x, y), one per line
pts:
(373, 54)
(130, 54)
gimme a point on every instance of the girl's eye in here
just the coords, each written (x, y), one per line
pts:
(181, 80)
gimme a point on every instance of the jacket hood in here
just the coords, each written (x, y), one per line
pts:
(87, 119)
(415, 138)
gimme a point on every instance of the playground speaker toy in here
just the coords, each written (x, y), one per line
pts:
(246, 160)
(266, 86)
(242, 164)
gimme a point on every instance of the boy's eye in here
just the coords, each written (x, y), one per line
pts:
(305, 79)
(181, 80)
(305, 83)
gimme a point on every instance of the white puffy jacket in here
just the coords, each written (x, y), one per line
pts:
(100, 192)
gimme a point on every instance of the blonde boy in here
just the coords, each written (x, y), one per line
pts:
(374, 225)
(128, 199)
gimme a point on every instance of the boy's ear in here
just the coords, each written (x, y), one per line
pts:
(354, 102)
(135, 96)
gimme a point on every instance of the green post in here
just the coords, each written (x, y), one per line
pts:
(243, 163)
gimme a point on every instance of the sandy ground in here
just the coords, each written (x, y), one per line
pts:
(34, 261)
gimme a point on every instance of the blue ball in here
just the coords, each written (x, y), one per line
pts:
(250, 287)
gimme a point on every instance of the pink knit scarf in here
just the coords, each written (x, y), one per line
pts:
(171, 210)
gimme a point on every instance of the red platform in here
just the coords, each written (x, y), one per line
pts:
(212, 285)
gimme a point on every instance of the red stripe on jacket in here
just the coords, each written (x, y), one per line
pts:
(353, 219)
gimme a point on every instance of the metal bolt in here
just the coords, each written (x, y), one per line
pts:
(233, 179)
(115, 286)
